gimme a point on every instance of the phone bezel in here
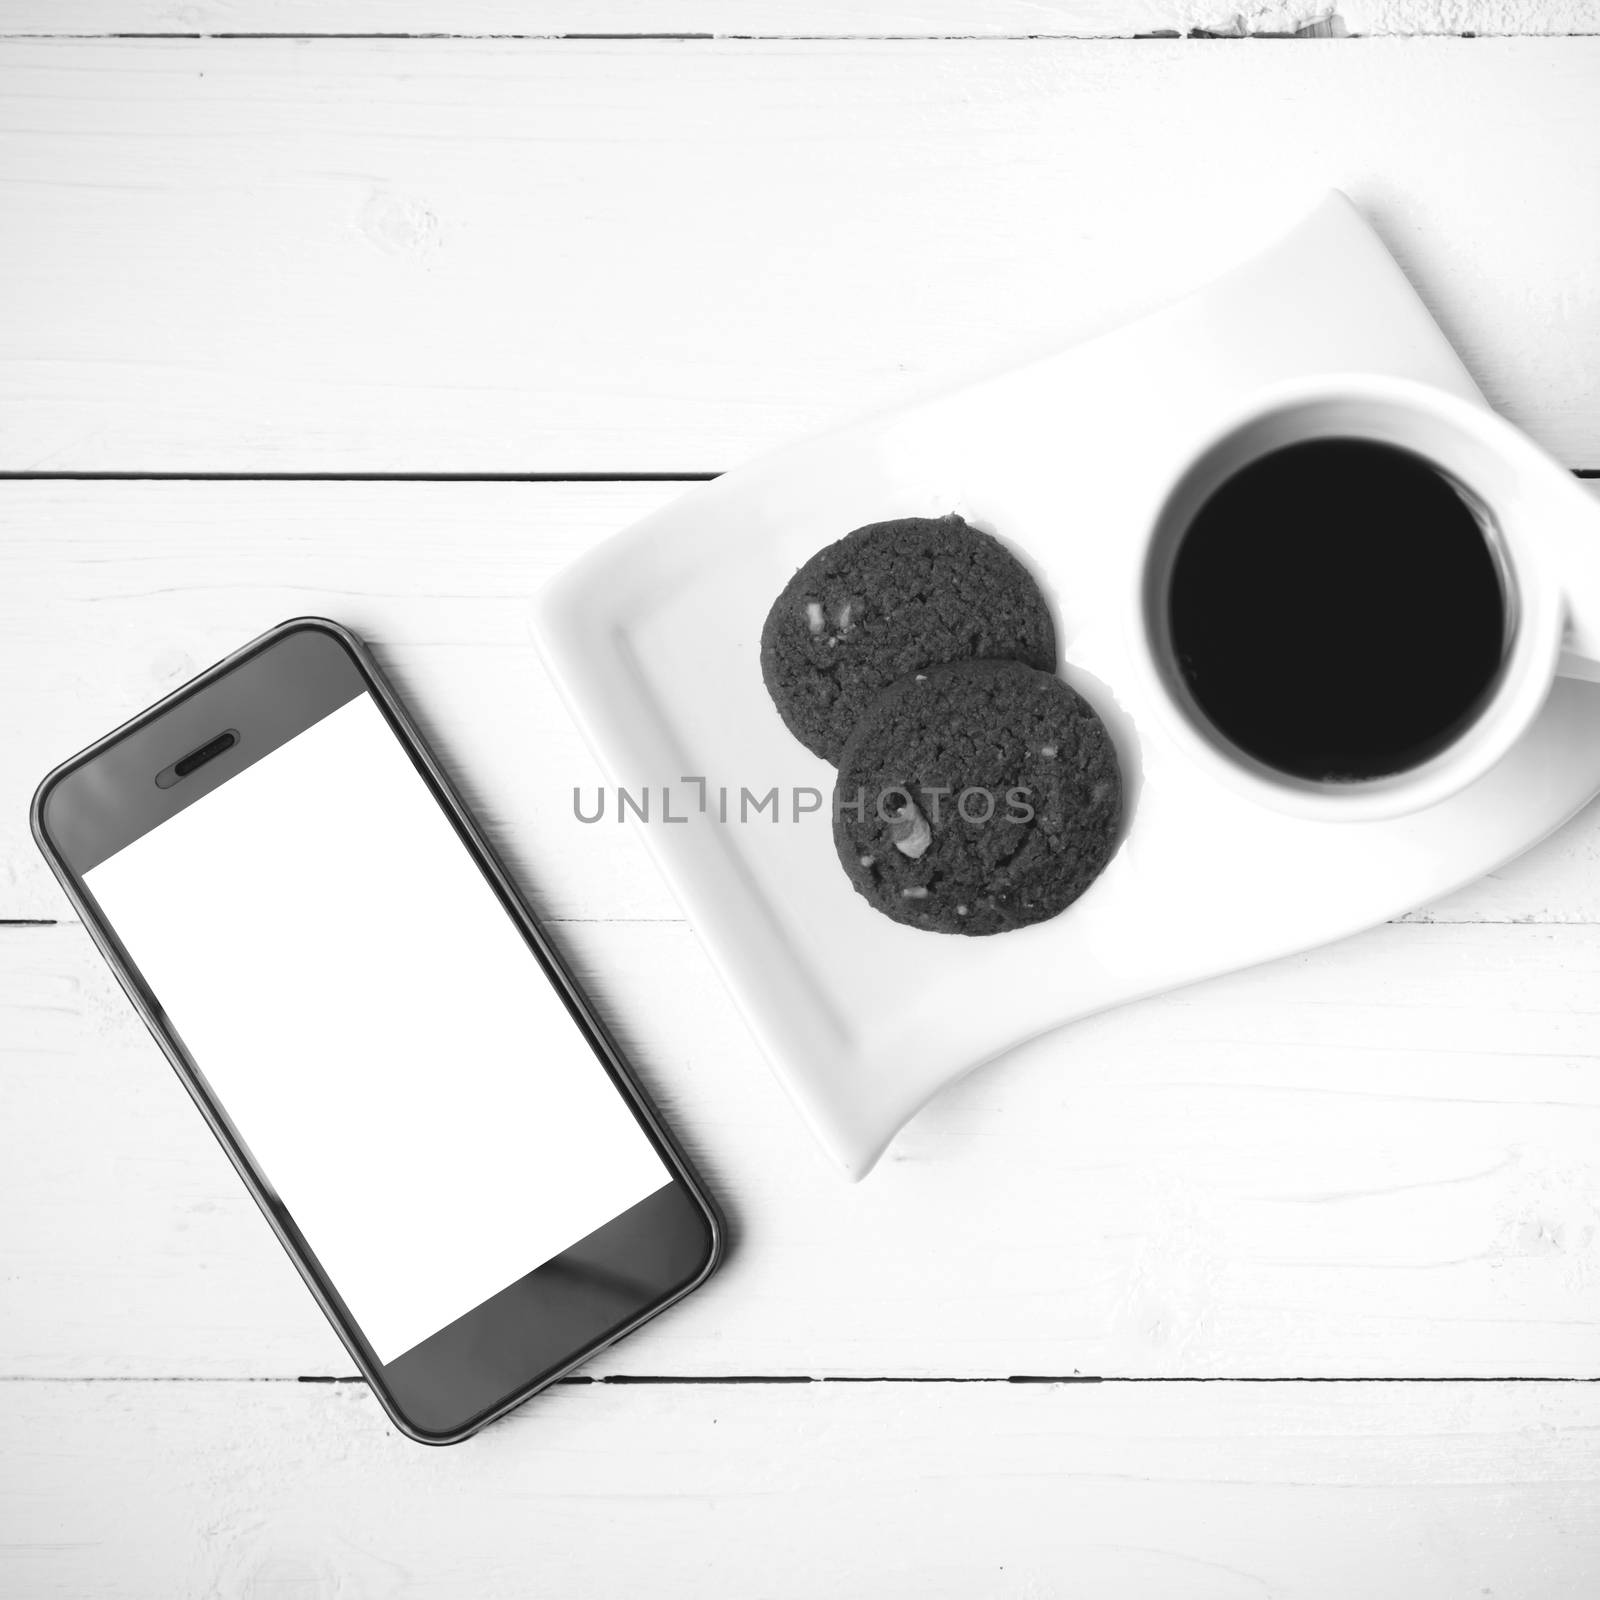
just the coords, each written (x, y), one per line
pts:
(685, 1187)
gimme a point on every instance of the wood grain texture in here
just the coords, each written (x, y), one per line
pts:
(1382, 1160)
(112, 594)
(785, 19)
(352, 255)
(1209, 1492)
(498, 255)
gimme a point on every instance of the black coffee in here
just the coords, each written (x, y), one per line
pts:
(1336, 610)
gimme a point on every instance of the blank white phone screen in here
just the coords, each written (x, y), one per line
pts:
(376, 1029)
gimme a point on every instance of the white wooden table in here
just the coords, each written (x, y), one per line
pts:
(1284, 1285)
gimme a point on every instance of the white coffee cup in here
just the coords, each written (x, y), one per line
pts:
(1541, 526)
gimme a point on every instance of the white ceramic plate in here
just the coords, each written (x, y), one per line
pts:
(653, 639)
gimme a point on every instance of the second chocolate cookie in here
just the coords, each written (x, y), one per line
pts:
(976, 798)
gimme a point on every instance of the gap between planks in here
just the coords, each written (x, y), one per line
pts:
(785, 21)
(1314, 30)
(732, 1379)
(1421, 918)
(29, 476)
(1162, 36)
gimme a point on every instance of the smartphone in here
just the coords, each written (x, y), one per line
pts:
(426, 1109)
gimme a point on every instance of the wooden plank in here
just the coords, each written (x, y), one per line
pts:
(501, 255)
(111, 594)
(1213, 1492)
(1377, 1161)
(787, 19)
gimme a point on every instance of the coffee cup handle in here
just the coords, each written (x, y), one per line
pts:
(1572, 665)
(1574, 523)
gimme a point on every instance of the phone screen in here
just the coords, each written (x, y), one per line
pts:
(370, 1019)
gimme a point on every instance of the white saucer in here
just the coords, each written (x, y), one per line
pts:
(653, 639)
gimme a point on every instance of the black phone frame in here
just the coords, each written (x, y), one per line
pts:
(545, 954)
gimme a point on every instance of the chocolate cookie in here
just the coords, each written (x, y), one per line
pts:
(977, 797)
(886, 601)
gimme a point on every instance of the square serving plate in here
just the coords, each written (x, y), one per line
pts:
(653, 639)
